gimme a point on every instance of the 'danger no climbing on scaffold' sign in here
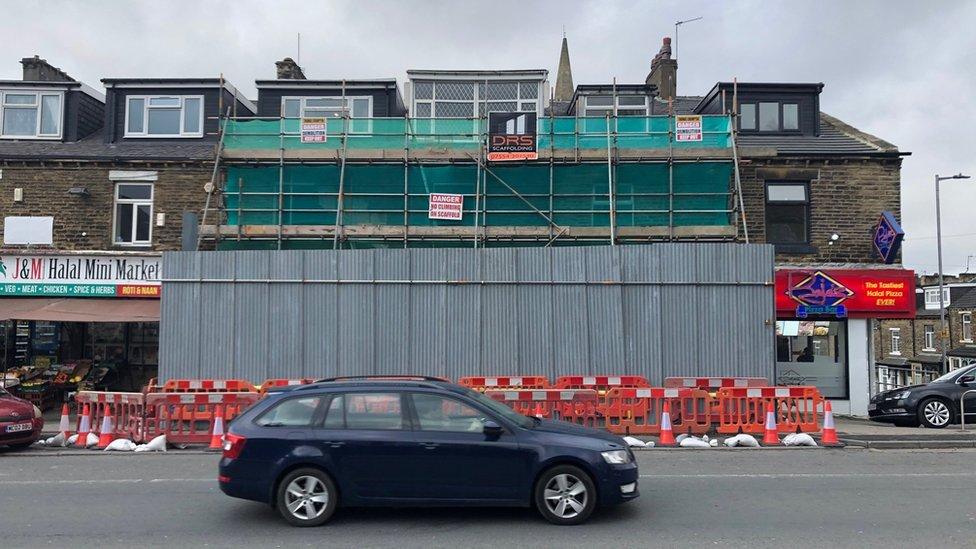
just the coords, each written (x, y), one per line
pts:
(445, 206)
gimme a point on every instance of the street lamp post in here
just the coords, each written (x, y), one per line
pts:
(938, 242)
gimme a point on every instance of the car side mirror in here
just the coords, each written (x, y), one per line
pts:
(492, 429)
(966, 379)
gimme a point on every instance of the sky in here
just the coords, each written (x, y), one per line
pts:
(904, 71)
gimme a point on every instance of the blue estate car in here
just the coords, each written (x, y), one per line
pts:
(416, 441)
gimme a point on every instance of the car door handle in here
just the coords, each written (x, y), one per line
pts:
(429, 445)
(335, 443)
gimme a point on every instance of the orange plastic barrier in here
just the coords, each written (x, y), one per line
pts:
(637, 411)
(483, 383)
(600, 384)
(562, 404)
(271, 383)
(126, 410)
(207, 386)
(713, 384)
(187, 418)
(743, 410)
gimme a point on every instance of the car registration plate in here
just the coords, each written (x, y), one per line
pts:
(872, 407)
(19, 427)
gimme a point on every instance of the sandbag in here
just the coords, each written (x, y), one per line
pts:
(71, 441)
(693, 442)
(157, 444)
(91, 441)
(742, 439)
(56, 440)
(713, 443)
(121, 445)
(681, 437)
(799, 439)
(634, 442)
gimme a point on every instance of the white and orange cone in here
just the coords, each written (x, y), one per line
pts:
(105, 433)
(217, 437)
(667, 432)
(829, 437)
(84, 427)
(65, 426)
(771, 438)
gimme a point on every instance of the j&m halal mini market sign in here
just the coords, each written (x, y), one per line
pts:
(79, 276)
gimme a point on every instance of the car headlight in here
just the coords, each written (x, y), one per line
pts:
(899, 396)
(37, 412)
(616, 457)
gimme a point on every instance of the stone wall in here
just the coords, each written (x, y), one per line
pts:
(85, 222)
(846, 198)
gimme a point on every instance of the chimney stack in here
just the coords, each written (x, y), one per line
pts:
(39, 70)
(288, 69)
(664, 72)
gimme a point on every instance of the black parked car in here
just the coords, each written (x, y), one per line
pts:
(935, 404)
(416, 441)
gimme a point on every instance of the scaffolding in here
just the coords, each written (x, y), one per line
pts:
(598, 180)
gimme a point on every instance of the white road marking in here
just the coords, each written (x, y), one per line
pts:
(102, 481)
(813, 475)
(81, 481)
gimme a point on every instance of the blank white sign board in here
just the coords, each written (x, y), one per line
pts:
(28, 230)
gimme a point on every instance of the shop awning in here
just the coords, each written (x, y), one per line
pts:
(80, 309)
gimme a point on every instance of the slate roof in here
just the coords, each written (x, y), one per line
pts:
(94, 148)
(836, 138)
(967, 301)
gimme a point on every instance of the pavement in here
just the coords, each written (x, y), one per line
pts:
(872, 434)
(801, 498)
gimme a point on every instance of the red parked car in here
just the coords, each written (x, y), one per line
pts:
(20, 421)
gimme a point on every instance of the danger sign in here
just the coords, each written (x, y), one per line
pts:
(445, 206)
(688, 128)
(313, 130)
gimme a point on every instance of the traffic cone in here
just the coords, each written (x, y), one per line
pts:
(105, 433)
(65, 426)
(829, 437)
(771, 438)
(667, 433)
(84, 427)
(217, 437)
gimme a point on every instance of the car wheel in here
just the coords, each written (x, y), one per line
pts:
(935, 413)
(306, 497)
(565, 495)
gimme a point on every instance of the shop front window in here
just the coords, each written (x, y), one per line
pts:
(813, 353)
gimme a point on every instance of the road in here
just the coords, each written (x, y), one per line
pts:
(765, 498)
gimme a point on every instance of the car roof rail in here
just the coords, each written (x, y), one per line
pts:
(387, 377)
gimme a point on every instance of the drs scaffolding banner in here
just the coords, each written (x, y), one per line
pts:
(659, 310)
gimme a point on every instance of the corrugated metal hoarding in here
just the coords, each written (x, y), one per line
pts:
(655, 310)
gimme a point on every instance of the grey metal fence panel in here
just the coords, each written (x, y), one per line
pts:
(657, 310)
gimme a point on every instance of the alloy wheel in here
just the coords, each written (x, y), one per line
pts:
(306, 498)
(565, 496)
(936, 413)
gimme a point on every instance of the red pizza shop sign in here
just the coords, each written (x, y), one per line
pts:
(845, 293)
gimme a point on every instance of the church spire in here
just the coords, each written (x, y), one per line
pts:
(564, 75)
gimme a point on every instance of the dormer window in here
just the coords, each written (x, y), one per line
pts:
(30, 114)
(355, 107)
(164, 116)
(769, 116)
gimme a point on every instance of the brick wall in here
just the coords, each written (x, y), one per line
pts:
(882, 339)
(846, 198)
(178, 188)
